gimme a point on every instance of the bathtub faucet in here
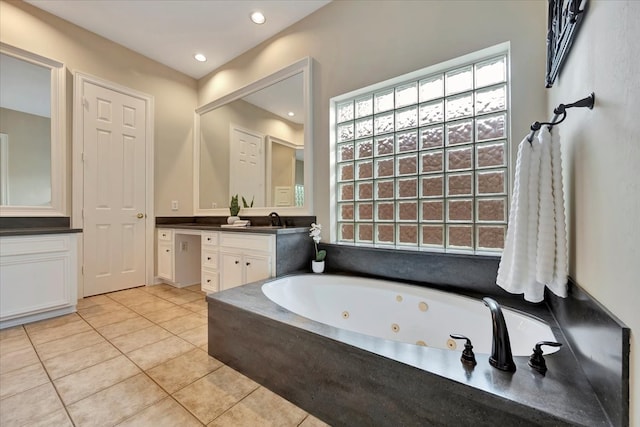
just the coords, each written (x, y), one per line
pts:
(501, 357)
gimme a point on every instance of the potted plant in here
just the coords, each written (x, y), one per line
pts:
(317, 264)
(234, 210)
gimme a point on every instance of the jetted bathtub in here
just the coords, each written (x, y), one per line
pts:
(404, 313)
(344, 349)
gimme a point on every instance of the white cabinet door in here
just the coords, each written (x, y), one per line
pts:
(232, 269)
(165, 261)
(257, 267)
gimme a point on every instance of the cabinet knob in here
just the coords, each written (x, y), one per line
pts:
(248, 264)
(208, 258)
(167, 250)
(237, 262)
(208, 280)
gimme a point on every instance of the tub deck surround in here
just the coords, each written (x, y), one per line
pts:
(347, 378)
(601, 343)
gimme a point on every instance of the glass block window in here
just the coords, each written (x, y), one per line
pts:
(423, 164)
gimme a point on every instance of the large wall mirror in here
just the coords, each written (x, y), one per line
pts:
(257, 142)
(32, 131)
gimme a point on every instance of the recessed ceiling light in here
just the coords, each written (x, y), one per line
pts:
(291, 114)
(258, 18)
(200, 57)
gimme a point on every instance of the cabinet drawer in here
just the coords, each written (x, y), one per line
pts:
(255, 242)
(165, 235)
(210, 282)
(209, 239)
(209, 259)
(34, 244)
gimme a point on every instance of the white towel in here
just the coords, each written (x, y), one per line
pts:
(535, 249)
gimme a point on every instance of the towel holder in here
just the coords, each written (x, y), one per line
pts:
(561, 110)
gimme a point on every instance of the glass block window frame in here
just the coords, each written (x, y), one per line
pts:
(424, 163)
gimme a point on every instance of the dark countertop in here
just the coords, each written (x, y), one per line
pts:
(262, 229)
(32, 231)
(563, 393)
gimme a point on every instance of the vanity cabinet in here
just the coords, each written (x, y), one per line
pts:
(178, 257)
(210, 281)
(165, 253)
(246, 258)
(38, 277)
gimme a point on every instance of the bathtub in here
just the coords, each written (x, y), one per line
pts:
(404, 313)
(344, 349)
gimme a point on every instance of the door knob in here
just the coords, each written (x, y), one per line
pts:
(140, 215)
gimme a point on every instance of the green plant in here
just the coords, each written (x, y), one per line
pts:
(244, 202)
(234, 206)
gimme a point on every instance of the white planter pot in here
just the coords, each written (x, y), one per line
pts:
(232, 219)
(317, 266)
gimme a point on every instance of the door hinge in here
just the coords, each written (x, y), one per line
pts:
(85, 103)
(82, 157)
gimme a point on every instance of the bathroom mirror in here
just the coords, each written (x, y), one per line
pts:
(32, 175)
(256, 142)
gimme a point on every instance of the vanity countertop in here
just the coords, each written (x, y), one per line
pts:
(261, 229)
(31, 231)
(30, 226)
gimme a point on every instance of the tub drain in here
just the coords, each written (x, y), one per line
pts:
(395, 327)
(345, 314)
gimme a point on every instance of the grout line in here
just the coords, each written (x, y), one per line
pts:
(50, 380)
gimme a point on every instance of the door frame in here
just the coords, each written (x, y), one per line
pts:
(77, 190)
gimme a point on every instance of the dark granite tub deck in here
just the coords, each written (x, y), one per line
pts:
(346, 378)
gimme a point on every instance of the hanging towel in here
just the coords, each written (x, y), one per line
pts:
(534, 255)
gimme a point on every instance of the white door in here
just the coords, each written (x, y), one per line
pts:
(114, 134)
(246, 168)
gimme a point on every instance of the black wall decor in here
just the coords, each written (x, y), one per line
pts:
(564, 20)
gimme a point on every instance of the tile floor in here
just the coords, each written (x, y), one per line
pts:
(131, 358)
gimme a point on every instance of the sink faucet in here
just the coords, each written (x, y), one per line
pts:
(275, 219)
(501, 357)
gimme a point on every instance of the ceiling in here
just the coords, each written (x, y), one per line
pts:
(172, 31)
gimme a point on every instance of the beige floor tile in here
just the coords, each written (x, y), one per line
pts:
(84, 303)
(18, 359)
(195, 288)
(58, 418)
(65, 345)
(197, 336)
(90, 380)
(125, 327)
(153, 304)
(52, 322)
(262, 408)
(212, 395)
(156, 289)
(184, 298)
(111, 317)
(69, 363)
(177, 373)
(198, 306)
(17, 343)
(184, 323)
(22, 379)
(99, 309)
(129, 342)
(20, 410)
(116, 403)
(168, 314)
(166, 413)
(14, 332)
(41, 336)
(312, 421)
(154, 354)
(127, 294)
